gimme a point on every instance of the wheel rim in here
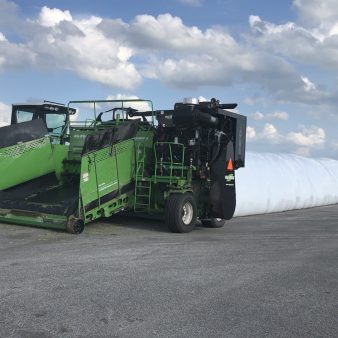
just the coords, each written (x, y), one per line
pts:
(187, 213)
(218, 219)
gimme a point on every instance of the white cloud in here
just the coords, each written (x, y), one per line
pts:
(194, 3)
(120, 54)
(312, 46)
(2, 37)
(315, 46)
(166, 32)
(301, 142)
(313, 136)
(257, 116)
(268, 28)
(278, 115)
(317, 11)
(250, 133)
(308, 85)
(140, 106)
(51, 17)
(58, 41)
(14, 55)
(270, 133)
(93, 56)
(185, 56)
(5, 114)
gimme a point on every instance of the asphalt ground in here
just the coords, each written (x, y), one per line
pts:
(261, 276)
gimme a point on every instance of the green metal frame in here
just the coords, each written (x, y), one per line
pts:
(159, 165)
(95, 102)
(148, 189)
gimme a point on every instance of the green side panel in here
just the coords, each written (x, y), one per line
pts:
(25, 161)
(60, 153)
(104, 174)
(125, 154)
(98, 176)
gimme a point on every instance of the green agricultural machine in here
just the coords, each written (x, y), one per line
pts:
(179, 165)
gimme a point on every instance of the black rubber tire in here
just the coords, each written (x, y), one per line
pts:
(75, 226)
(174, 212)
(213, 222)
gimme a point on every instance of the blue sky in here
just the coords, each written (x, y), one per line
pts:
(276, 59)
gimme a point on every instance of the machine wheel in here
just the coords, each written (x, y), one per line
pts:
(213, 222)
(75, 225)
(181, 212)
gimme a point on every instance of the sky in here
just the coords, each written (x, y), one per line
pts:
(277, 59)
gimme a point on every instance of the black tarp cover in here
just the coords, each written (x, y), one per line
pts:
(22, 132)
(124, 131)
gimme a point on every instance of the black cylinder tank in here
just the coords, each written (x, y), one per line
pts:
(188, 115)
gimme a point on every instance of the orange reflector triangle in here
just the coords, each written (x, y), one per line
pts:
(230, 165)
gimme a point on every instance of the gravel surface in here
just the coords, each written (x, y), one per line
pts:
(261, 276)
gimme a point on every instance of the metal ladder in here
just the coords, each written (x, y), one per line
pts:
(142, 184)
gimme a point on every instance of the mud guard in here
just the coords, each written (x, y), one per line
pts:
(222, 198)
